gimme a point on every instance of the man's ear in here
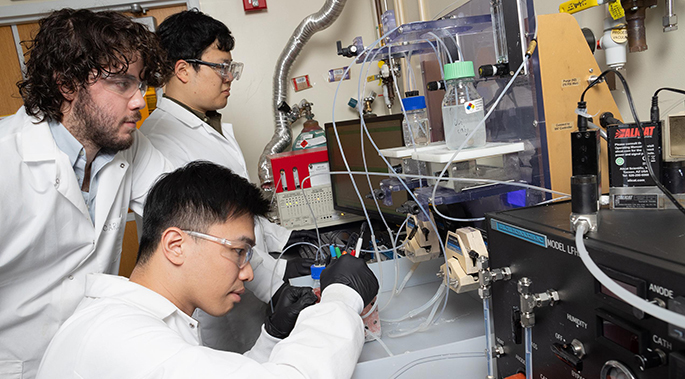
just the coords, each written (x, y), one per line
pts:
(182, 70)
(173, 243)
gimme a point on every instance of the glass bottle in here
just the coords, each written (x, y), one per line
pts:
(462, 107)
(415, 126)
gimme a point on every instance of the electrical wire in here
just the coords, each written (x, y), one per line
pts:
(640, 128)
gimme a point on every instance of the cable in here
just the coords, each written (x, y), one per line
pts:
(654, 111)
(637, 302)
(645, 153)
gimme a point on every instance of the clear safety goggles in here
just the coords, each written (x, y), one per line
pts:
(238, 252)
(124, 85)
(235, 69)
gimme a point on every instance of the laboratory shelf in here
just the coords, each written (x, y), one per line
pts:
(440, 153)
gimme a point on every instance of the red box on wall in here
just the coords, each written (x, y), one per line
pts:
(253, 5)
(290, 164)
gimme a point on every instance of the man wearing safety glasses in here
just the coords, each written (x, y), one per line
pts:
(186, 127)
(73, 163)
(195, 252)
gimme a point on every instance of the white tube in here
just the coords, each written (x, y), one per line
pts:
(378, 338)
(407, 277)
(423, 326)
(434, 358)
(637, 302)
(420, 309)
(488, 337)
(529, 352)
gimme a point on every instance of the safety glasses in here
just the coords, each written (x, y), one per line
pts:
(238, 252)
(124, 85)
(224, 69)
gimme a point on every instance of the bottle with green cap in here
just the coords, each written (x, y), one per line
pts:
(462, 107)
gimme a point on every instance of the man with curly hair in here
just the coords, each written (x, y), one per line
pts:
(73, 164)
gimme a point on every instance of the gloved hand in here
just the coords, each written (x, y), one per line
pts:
(289, 302)
(352, 272)
(296, 267)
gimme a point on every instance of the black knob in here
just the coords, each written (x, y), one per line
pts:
(650, 359)
(411, 93)
(434, 86)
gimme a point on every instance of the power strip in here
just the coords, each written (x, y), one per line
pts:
(294, 212)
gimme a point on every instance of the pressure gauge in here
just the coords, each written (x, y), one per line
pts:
(616, 370)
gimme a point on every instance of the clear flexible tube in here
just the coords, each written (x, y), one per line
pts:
(380, 341)
(419, 310)
(434, 358)
(529, 352)
(273, 273)
(637, 302)
(488, 337)
(463, 144)
(424, 325)
(407, 277)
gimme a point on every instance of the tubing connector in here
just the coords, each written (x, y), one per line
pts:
(530, 301)
(486, 276)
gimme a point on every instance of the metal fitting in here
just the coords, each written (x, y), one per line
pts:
(498, 351)
(529, 301)
(670, 23)
(486, 276)
(590, 220)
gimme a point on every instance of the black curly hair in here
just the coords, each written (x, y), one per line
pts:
(73, 48)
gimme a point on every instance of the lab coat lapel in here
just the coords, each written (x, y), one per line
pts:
(110, 181)
(46, 160)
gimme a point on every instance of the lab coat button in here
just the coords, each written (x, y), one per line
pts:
(56, 182)
(192, 326)
(122, 165)
(71, 277)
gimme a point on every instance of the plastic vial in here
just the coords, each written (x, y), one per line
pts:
(462, 107)
(415, 126)
(316, 275)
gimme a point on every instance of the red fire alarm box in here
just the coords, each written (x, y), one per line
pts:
(289, 169)
(253, 5)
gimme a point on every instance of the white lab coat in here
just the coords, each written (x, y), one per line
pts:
(182, 137)
(124, 330)
(48, 242)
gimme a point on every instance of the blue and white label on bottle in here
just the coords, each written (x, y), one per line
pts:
(473, 106)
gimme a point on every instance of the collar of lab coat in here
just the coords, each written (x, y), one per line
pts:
(120, 288)
(38, 145)
(189, 119)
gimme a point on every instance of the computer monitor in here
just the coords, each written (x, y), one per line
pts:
(386, 132)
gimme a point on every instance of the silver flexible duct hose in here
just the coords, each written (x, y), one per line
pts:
(310, 25)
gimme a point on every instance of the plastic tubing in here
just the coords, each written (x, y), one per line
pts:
(349, 171)
(383, 345)
(434, 358)
(461, 147)
(424, 325)
(420, 309)
(466, 180)
(407, 277)
(273, 273)
(488, 337)
(637, 302)
(397, 265)
(529, 352)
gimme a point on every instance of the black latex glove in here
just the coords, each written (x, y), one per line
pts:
(296, 267)
(352, 272)
(289, 302)
(303, 236)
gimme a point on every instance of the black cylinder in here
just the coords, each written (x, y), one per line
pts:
(673, 176)
(584, 194)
